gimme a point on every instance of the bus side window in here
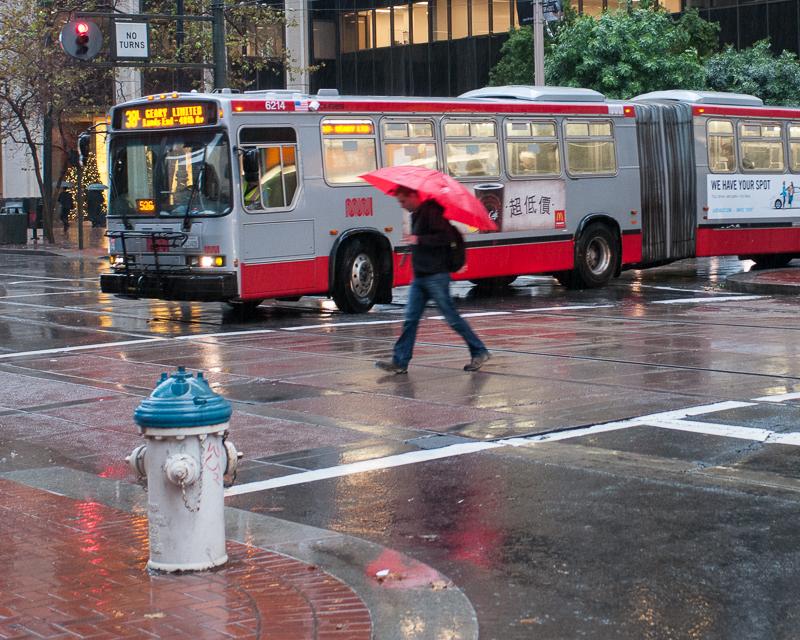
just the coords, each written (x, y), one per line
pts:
(269, 167)
(761, 146)
(532, 148)
(590, 147)
(348, 150)
(721, 155)
(794, 146)
(408, 142)
(471, 149)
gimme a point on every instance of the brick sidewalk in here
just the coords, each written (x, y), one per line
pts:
(76, 569)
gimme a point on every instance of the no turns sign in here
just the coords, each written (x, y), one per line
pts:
(131, 40)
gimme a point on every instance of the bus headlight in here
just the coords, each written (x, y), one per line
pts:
(205, 262)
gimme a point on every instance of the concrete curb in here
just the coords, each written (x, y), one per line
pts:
(758, 284)
(412, 609)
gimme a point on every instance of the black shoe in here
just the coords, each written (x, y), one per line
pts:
(477, 362)
(390, 366)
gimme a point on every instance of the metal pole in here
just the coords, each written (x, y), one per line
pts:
(220, 63)
(538, 44)
(180, 36)
(79, 198)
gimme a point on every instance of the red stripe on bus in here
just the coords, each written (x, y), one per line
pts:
(260, 106)
(631, 248)
(753, 112)
(488, 262)
(276, 279)
(732, 242)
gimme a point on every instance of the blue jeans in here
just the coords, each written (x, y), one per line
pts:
(437, 288)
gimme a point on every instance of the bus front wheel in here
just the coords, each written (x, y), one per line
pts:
(356, 282)
(596, 258)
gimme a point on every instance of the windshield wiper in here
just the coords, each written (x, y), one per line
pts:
(187, 219)
(113, 196)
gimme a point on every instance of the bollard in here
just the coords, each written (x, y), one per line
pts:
(184, 461)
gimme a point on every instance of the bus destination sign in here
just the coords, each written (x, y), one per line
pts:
(167, 116)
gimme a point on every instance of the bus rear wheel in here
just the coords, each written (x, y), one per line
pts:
(596, 259)
(356, 280)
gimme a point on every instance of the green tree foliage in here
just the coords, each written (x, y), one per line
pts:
(625, 53)
(38, 79)
(516, 60)
(774, 79)
(621, 54)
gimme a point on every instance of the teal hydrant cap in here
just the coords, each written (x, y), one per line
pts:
(181, 401)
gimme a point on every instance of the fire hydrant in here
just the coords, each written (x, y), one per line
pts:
(184, 462)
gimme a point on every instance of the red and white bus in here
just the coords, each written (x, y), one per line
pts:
(242, 197)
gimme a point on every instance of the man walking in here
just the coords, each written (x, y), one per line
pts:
(429, 240)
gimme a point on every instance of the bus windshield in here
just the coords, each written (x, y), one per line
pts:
(174, 174)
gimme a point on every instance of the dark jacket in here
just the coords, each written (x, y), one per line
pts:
(429, 255)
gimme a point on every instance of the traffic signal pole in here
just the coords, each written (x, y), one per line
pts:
(220, 63)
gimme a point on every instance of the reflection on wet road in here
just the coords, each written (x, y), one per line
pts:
(623, 467)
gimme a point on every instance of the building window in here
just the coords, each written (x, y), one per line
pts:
(401, 29)
(480, 17)
(357, 31)
(761, 146)
(721, 155)
(383, 30)
(590, 147)
(440, 31)
(459, 19)
(501, 16)
(419, 12)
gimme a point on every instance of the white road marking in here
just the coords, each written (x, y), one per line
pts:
(476, 314)
(44, 278)
(567, 308)
(662, 288)
(331, 325)
(46, 352)
(363, 466)
(426, 455)
(729, 431)
(711, 299)
(221, 334)
(778, 398)
(52, 293)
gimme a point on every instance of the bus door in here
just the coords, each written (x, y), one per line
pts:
(668, 181)
(273, 237)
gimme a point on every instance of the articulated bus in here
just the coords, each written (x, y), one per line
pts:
(243, 197)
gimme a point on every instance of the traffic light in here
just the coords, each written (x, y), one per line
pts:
(81, 39)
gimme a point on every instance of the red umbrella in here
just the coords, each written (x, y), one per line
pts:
(458, 203)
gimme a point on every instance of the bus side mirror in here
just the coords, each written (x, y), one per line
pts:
(84, 141)
(250, 162)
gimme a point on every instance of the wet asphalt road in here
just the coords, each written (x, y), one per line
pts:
(638, 519)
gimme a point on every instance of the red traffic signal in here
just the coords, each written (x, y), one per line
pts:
(81, 39)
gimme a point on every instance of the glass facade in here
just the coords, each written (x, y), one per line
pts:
(446, 47)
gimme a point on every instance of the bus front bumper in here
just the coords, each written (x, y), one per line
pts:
(206, 287)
